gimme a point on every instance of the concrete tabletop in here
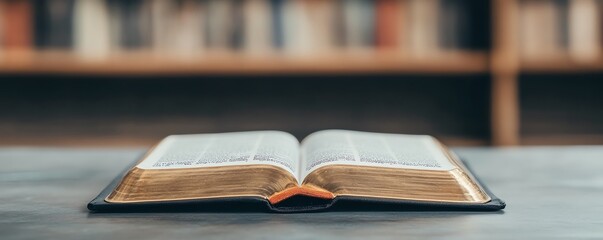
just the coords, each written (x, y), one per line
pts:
(551, 193)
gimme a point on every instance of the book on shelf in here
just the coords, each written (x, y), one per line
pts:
(584, 30)
(131, 24)
(95, 29)
(309, 27)
(296, 29)
(1, 27)
(257, 27)
(540, 32)
(277, 18)
(453, 24)
(177, 27)
(423, 28)
(271, 170)
(321, 18)
(92, 37)
(53, 23)
(222, 23)
(17, 24)
(390, 24)
(358, 23)
(560, 28)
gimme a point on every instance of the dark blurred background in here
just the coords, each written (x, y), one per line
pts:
(123, 73)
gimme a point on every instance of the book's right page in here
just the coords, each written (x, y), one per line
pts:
(330, 147)
(386, 166)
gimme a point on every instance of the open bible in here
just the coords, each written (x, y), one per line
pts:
(274, 170)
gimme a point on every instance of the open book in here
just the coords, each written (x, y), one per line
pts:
(274, 168)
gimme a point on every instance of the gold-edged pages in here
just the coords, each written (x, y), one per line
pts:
(273, 165)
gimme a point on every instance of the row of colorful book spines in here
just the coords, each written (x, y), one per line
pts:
(24, 28)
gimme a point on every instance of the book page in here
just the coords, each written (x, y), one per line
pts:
(341, 147)
(225, 149)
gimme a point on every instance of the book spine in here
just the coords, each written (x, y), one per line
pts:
(339, 24)
(450, 24)
(114, 24)
(145, 23)
(350, 18)
(220, 24)
(53, 23)
(237, 33)
(423, 29)
(320, 16)
(131, 36)
(403, 25)
(359, 23)
(17, 20)
(541, 36)
(600, 22)
(526, 29)
(554, 40)
(2, 33)
(387, 24)
(298, 39)
(91, 29)
(368, 26)
(134, 30)
(562, 22)
(41, 22)
(163, 14)
(186, 28)
(584, 37)
(257, 26)
(278, 31)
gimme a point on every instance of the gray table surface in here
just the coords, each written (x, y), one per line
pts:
(551, 193)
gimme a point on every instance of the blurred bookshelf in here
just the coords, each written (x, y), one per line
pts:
(474, 63)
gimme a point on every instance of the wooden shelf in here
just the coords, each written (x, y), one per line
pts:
(562, 64)
(147, 64)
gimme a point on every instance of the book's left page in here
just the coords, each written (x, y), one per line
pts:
(196, 166)
(275, 148)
